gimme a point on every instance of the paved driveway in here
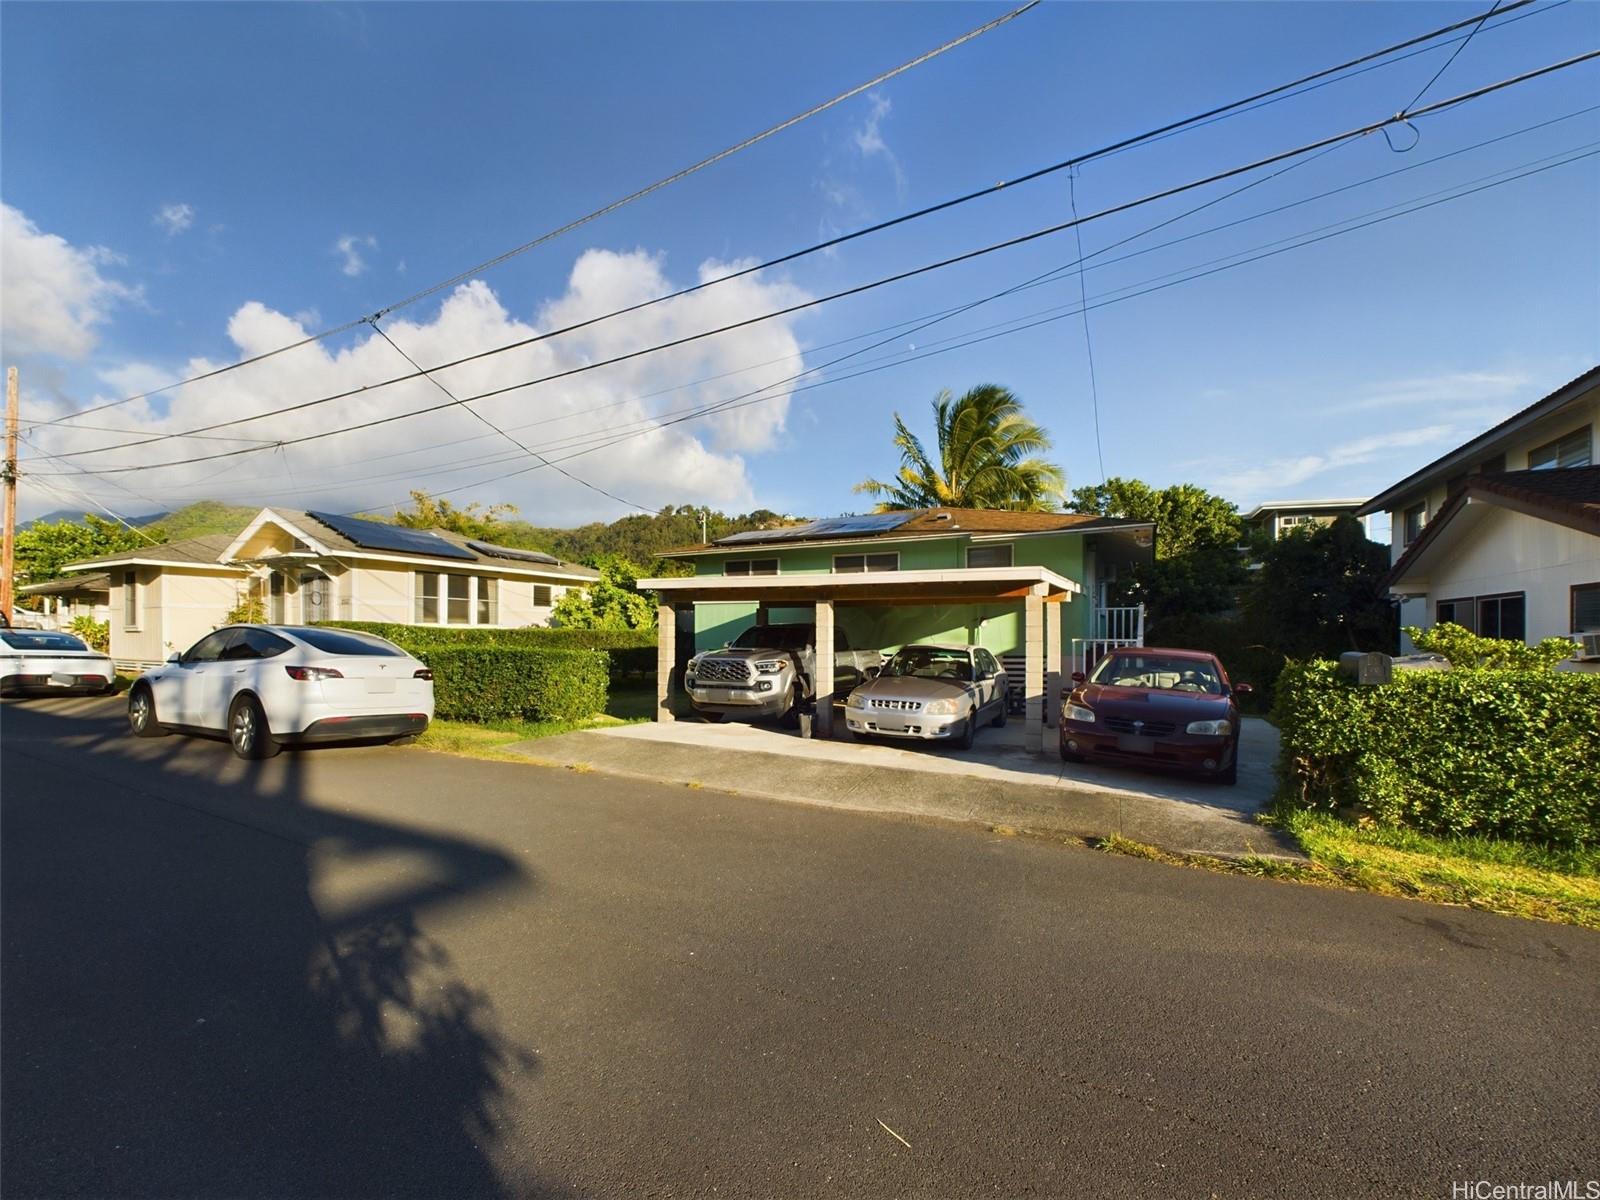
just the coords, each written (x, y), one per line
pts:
(998, 782)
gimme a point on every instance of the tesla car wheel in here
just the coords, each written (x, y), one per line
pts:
(142, 712)
(247, 730)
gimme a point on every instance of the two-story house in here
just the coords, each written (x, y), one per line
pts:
(1028, 586)
(1276, 518)
(1502, 534)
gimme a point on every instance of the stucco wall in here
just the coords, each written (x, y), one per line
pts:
(176, 609)
(386, 594)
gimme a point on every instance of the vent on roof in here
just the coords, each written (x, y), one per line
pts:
(941, 516)
(511, 552)
(375, 535)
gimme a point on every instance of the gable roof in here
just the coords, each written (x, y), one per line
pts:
(204, 551)
(1464, 454)
(1568, 496)
(928, 522)
(1293, 506)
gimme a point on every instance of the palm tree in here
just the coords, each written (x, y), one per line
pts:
(988, 458)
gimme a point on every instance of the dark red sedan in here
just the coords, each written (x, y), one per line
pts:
(1154, 707)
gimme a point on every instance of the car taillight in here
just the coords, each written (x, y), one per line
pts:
(424, 673)
(312, 674)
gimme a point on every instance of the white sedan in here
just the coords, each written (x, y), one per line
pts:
(266, 686)
(39, 661)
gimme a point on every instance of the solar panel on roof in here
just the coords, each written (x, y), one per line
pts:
(512, 552)
(827, 527)
(375, 535)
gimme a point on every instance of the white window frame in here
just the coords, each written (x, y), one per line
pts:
(1009, 547)
(1553, 448)
(1407, 537)
(442, 596)
(863, 555)
(130, 588)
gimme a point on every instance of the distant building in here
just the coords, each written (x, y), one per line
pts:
(1278, 517)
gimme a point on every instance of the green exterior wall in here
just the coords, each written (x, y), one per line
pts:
(998, 627)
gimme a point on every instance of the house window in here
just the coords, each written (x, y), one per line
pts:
(989, 556)
(1585, 607)
(427, 598)
(488, 601)
(541, 595)
(1573, 450)
(1503, 617)
(1458, 612)
(276, 599)
(853, 564)
(750, 566)
(458, 599)
(1414, 519)
(130, 600)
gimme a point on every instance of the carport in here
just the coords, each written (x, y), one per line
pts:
(1038, 590)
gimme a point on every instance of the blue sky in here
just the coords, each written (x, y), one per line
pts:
(184, 183)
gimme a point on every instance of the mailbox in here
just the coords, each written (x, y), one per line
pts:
(1369, 667)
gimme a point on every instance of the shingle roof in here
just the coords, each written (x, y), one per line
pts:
(99, 582)
(944, 522)
(204, 550)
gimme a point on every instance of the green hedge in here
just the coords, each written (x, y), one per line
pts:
(1504, 753)
(632, 652)
(529, 683)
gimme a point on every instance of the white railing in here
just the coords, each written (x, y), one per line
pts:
(1110, 628)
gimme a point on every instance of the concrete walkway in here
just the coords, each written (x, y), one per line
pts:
(997, 783)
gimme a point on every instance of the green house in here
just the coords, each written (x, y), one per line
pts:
(1029, 586)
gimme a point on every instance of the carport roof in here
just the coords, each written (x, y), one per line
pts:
(970, 585)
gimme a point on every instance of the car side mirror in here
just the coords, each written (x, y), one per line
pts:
(174, 657)
(1077, 677)
(1242, 689)
(873, 672)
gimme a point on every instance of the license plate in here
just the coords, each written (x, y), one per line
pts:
(380, 687)
(60, 680)
(1136, 745)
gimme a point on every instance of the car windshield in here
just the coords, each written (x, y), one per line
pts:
(932, 662)
(32, 639)
(1158, 671)
(345, 641)
(775, 637)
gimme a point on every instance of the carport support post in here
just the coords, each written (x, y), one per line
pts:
(822, 722)
(1052, 673)
(666, 659)
(1033, 674)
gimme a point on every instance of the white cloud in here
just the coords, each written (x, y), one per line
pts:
(349, 248)
(1278, 476)
(174, 218)
(703, 461)
(870, 141)
(1446, 388)
(53, 294)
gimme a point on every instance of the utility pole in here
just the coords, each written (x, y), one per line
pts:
(704, 513)
(8, 552)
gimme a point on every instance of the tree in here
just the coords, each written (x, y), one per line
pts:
(987, 458)
(473, 520)
(1198, 568)
(1320, 590)
(44, 547)
(611, 602)
(1468, 651)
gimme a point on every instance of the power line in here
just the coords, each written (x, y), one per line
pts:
(378, 329)
(1088, 342)
(1270, 160)
(1460, 46)
(1247, 103)
(604, 210)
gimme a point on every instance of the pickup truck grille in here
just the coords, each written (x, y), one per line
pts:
(898, 705)
(1148, 728)
(723, 670)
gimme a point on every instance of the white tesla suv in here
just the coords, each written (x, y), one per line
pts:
(266, 686)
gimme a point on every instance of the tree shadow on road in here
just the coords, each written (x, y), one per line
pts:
(215, 987)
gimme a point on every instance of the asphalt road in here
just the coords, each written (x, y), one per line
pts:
(382, 972)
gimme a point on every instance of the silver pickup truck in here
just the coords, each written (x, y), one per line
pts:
(770, 671)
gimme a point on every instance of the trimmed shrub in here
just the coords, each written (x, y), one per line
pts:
(632, 652)
(494, 683)
(1511, 754)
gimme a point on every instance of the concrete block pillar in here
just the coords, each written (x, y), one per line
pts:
(822, 725)
(763, 615)
(1052, 675)
(666, 659)
(1033, 674)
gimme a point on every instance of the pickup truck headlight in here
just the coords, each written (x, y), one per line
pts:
(942, 708)
(1077, 712)
(1211, 728)
(770, 666)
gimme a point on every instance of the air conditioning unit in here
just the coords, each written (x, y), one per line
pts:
(1588, 646)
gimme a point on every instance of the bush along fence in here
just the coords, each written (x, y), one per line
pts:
(630, 653)
(529, 683)
(1506, 753)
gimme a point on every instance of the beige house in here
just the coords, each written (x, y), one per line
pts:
(1502, 534)
(62, 601)
(1278, 517)
(306, 567)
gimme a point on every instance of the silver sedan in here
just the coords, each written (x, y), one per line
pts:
(933, 691)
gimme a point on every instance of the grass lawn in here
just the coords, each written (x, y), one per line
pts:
(625, 706)
(1474, 872)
